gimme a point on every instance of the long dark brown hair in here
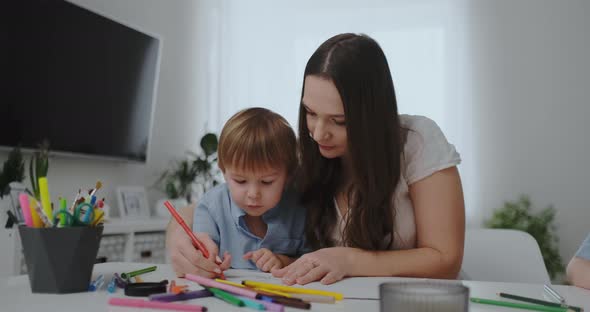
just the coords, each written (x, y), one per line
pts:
(358, 68)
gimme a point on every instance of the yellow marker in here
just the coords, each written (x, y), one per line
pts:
(45, 198)
(229, 283)
(280, 293)
(37, 223)
(98, 214)
(296, 290)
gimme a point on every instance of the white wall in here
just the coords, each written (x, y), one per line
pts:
(530, 73)
(181, 109)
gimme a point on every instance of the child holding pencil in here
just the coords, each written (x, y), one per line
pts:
(254, 218)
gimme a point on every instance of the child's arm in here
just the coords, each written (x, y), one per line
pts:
(578, 272)
(266, 260)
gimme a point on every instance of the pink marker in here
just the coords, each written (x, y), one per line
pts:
(140, 303)
(229, 288)
(24, 205)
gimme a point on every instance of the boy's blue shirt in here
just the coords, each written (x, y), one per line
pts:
(219, 216)
(584, 250)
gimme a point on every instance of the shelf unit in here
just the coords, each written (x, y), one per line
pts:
(139, 240)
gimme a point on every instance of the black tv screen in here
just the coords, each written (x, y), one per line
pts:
(81, 81)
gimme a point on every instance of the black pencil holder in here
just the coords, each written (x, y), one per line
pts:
(60, 260)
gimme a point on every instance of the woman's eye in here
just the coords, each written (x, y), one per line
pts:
(239, 181)
(340, 122)
(267, 182)
(312, 114)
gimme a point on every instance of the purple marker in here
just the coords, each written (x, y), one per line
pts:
(169, 297)
(121, 283)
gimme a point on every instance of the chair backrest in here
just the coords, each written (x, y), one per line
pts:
(501, 255)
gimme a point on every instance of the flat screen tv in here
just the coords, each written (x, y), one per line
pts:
(82, 81)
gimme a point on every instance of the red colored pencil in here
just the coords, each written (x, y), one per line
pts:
(196, 242)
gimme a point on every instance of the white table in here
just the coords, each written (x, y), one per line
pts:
(15, 292)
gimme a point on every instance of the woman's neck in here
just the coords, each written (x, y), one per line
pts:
(256, 225)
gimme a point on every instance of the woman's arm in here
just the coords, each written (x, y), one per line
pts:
(440, 229)
(440, 232)
(578, 272)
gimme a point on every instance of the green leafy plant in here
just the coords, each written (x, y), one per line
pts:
(197, 169)
(38, 167)
(518, 215)
(13, 170)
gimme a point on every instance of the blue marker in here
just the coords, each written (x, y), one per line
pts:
(112, 287)
(96, 283)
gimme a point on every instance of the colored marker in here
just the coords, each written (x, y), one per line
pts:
(96, 283)
(121, 283)
(129, 275)
(45, 198)
(63, 206)
(98, 216)
(112, 287)
(37, 222)
(268, 305)
(252, 304)
(181, 296)
(289, 302)
(44, 219)
(246, 292)
(227, 297)
(24, 205)
(290, 289)
(140, 303)
(537, 301)
(525, 306)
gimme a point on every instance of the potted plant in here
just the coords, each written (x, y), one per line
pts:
(11, 176)
(188, 177)
(518, 216)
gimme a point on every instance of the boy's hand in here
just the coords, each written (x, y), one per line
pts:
(186, 258)
(264, 259)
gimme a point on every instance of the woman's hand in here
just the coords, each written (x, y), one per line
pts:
(327, 265)
(264, 259)
(186, 258)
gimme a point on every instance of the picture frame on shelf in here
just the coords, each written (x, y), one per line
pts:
(132, 202)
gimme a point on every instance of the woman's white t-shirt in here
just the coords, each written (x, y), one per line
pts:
(426, 151)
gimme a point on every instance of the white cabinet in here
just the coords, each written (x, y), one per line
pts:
(134, 240)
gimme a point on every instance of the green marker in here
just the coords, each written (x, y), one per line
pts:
(252, 304)
(138, 272)
(62, 207)
(520, 305)
(227, 297)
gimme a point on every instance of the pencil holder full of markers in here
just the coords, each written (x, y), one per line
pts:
(60, 245)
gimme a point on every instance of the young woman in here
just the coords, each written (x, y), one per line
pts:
(382, 191)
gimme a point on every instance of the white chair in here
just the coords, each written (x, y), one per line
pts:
(500, 255)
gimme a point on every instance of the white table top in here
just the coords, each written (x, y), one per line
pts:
(15, 292)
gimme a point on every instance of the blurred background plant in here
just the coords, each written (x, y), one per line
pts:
(196, 174)
(518, 215)
(38, 167)
(13, 170)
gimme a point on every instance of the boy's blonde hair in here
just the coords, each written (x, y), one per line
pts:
(256, 139)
